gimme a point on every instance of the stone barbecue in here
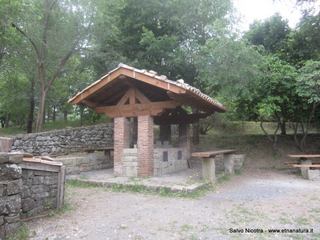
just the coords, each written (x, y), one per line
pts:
(151, 117)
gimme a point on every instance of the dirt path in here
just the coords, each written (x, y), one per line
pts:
(264, 200)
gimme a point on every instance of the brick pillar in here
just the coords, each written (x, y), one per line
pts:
(185, 138)
(145, 146)
(121, 141)
(165, 133)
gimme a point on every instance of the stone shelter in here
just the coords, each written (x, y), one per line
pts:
(144, 106)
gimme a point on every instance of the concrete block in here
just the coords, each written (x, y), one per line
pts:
(313, 174)
(228, 164)
(304, 170)
(208, 169)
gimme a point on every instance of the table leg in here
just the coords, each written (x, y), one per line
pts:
(304, 170)
(209, 169)
(228, 164)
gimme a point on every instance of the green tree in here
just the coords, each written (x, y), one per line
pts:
(304, 42)
(271, 97)
(272, 34)
(55, 30)
(308, 88)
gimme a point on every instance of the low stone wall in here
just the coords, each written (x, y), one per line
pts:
(27, 188)
(5, 144)
(10, 194)
(130, 162)
(65, 141)
(39, 193)
(313, 174)
(83, 162)
(169, 160)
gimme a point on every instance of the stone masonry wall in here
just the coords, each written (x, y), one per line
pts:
(65, 141)
(27, 188)
(130, 162)
(10, 194)
(172, 163)
(83, 162)
(39, 192)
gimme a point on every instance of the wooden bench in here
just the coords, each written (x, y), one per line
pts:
(208, 162)
(305, 162)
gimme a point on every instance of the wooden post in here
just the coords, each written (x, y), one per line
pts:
(61, 182)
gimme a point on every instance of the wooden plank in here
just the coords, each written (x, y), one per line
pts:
(89, 103)
(38, 160)
(61, 183)
(95, 87)
(152, 81)
(40, 167)
(212, 153)
(135, 113)
(137, 107)
(304, 155)
(306, 165)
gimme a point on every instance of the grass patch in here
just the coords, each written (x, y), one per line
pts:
(67, 207)
(186, 227)
(223, 178)
(138, 188)
(21, 234)
(80, 184)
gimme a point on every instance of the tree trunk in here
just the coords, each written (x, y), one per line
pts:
(54, 113)
(81, 115)
(41, 110)
(65, 116)
(7, 120)
(31, 107)
(283, 128)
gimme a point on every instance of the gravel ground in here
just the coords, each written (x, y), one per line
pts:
(260, 200)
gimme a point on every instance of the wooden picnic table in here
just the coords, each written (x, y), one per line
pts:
(305, 163)
(209, 154)
(208, 162)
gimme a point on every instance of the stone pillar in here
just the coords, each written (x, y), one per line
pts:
(228, 164)
(304, 170)
(209, 170)
(185, 138)
(145, 146)
(121, 141)
(165, 133)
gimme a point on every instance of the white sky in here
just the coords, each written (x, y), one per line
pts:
(250, 10)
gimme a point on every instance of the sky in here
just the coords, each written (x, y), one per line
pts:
(251, 10)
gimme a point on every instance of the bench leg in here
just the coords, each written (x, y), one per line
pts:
(228, 164)
(209, 169)
(304, 170)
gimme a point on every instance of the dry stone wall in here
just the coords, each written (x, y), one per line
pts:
(27, 189)
(65, 141)
(39, 192)
(82, 162)
(10, 194)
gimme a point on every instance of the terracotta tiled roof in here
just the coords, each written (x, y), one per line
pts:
(179, 83)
